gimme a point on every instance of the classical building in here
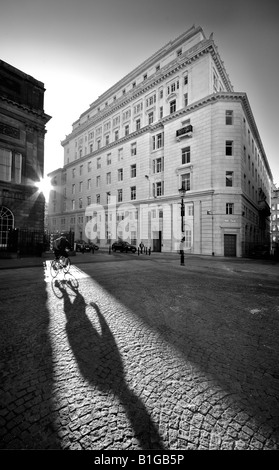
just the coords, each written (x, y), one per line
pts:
(174, 122)
(22, 131)
(275, 219)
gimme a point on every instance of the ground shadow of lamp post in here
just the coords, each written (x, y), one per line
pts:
(182, 192)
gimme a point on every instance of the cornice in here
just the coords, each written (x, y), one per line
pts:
(38, 114)
(200, 49)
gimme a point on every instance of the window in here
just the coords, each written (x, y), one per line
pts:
(161, 94)
(116, 135)
(133, 193)
(186, 154)
(179, 52)
(107, 139)
(18, 164)
(158, 165)
(98, 198)
(158, 141)
(116, 121)
(133, 171)
(120, 174)
(80, 203)
(126, 115)
(109, 159)
(150, 118)
(108, 197)
(138, 108)
(120, 154)
(172, 87)
(6, 224)
(158, 188)
(229, 178)
(137, 124)
(80, 186)
(119, 195)
(99, 162)
(73, 204)
(89, 166)
(229, 208)
(185, 181)
(145, 76)
(150, 100)
(133, 149)
(229, 117)
(73, 188)
(108, 178)
(161, 112)
(98, 181)
(80, 169)
(88, 200)
(229, 147)
(185, 79)
(172, 106)
(89, 183)
(127, 129)
(185, 100)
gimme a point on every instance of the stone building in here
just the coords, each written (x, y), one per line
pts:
(275, 220)
(22, 131)
(174, 122)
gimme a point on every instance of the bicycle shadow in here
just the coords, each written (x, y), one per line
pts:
(100, 363)
(69, 282)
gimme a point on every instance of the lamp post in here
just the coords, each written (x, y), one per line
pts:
(182, 192)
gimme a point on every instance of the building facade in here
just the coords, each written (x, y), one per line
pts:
(173, 122)
(22, 131)
(275, 220)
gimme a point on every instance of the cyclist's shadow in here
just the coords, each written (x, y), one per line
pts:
(100, 363)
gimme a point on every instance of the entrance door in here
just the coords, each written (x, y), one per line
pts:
(229, 245)
(157, 241)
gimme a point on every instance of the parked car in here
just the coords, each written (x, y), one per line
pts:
(93, 246)
(123, 246)
(82, 245)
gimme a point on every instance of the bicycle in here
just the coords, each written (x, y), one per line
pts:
(61, 264)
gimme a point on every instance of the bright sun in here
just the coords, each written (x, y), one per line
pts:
(44, 186)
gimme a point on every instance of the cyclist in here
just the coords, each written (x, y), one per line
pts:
(59, 247)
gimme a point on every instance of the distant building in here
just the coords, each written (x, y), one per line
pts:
(275, 220)
(22, 132)
(173, 122)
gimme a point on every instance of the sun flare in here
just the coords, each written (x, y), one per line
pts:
(44, 186)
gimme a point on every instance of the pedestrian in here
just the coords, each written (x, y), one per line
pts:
(141, 246)
(93, 249)
(149, 250)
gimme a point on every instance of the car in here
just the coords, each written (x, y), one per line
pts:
(82, 245)
(123, 247)
(93, 246)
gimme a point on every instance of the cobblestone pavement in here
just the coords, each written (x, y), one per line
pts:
(140, 353)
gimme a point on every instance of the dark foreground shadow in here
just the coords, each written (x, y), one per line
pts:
(100, 363)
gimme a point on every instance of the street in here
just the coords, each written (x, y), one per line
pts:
(131, 352)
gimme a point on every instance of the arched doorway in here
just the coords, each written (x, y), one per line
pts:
(6, 225)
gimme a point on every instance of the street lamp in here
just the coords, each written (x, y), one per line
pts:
(182, 192)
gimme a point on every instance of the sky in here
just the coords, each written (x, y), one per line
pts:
(79, 49)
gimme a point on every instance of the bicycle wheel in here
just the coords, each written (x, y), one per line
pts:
(54, 268)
